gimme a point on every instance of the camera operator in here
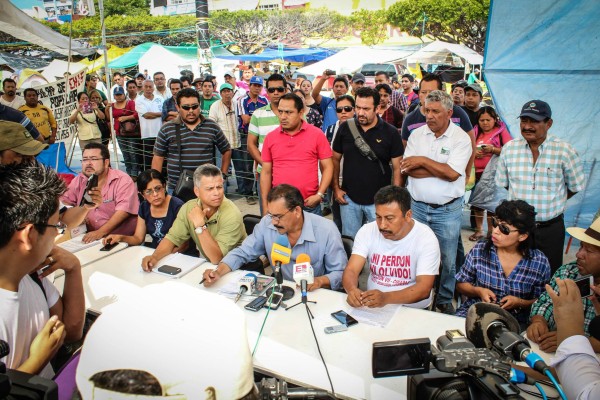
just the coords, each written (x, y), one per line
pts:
(576, 363)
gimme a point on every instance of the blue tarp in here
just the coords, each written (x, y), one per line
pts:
(290, 55)
(550, 50)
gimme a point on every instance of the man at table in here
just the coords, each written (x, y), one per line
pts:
(35, 319)
(307, 233)
(212, 221)
(118, 211)
(403, 254)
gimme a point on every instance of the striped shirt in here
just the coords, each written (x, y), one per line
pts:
(526, 281)
(246, 106)
(263, 122)
(226, 118)
(544, 307)
(197, 146)
(543, 184)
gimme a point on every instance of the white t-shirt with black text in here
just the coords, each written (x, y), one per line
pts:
(395, 264)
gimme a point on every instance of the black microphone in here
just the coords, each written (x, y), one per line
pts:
(490, 326)
(594, 328)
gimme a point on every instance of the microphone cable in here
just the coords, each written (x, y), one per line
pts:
(556, 384)
(270, 300)
(310, 317)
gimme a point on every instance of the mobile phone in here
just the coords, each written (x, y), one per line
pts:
(91, 183)
(330, 72)
(256, 304)
(87, 108)
(169, 269)
(585, 285)
(275, 301)
(344, 318)
(335, 329)
(109, 246)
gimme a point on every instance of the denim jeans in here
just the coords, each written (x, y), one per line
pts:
(131, 154)
(445, 222)
(314, 210)
(218, 161)
(354, 214)
(243, 163)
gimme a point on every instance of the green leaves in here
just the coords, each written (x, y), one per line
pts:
(371, 24)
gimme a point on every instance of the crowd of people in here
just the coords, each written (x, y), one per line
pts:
(392, 164)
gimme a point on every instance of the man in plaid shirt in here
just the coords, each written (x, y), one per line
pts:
(544, 171)
(542, 328)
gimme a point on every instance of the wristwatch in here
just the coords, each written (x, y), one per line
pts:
(200, 229)
(322, 195)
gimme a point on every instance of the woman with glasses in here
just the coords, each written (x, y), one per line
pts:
(157, 212)
(505, 269)
(85, 117)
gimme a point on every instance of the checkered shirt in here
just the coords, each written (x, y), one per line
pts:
(543, 184)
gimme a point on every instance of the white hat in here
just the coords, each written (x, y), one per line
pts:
(194, 343)
(590, 235)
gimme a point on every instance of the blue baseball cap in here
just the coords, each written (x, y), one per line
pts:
(257, 80)
(118, 90)
(536, 109)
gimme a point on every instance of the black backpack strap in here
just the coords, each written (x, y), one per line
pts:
(178, 136)
(36, 278)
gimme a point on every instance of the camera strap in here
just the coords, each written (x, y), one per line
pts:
(362, 145)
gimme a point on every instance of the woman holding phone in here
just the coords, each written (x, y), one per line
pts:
(505, 269)
(156, 214)
(85, 118)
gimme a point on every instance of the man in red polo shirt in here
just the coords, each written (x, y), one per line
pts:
(290, 154)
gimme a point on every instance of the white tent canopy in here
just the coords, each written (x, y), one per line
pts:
(18, 24)
(439, 52)
(351, 59)
(170, 63)
(57, 68)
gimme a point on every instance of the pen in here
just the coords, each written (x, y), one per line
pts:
(204, 279)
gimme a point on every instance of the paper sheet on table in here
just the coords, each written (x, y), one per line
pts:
(231, 289)
(74, 245)
(186, 263)
(374, 316)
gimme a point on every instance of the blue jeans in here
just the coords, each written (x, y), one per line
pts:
(131, 154)
(445, 222)
(314, 210)
(354, 214)
(243, 163)
(218, 161)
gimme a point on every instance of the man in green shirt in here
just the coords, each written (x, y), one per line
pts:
(212, 221)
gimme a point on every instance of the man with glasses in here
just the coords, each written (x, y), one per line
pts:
(198, 137)
(307, 234)
(263, 121)
(363, 177)
(118, 211)
(35, 319)
(211, 220)
(161, 86)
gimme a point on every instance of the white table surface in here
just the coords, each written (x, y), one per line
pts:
(287, 348)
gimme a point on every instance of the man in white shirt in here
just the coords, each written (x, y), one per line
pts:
(434, 163)
(161, 86)
(10, 98)
(403, 255)
(149, 109)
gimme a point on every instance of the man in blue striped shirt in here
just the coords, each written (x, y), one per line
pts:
(199, 136)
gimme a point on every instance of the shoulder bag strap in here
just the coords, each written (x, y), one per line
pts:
(356, 134)
(178, 135)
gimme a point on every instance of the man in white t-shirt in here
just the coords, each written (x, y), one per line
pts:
(403, 255)
(34, 318)
(149, 109)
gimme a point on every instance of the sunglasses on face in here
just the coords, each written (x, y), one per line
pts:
(189, 107)
(279, 89)
(345, 108)
(504, 229)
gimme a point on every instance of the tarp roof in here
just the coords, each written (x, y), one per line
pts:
(290, 55)
(18, 24)
(18, 62)
(352, 58)
(438, 52)
(550, 52)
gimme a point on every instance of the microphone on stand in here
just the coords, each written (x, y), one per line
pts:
(281, 254)
(246, 285)
(303, 274)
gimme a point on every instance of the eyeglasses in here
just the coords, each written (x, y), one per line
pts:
(280, 89)
(61, 227)
(277, 217)
(345, 108)
(504, 229)
(157, 190)
(190, 107)
(91, 159)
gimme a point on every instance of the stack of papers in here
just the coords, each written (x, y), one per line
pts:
(76, 244)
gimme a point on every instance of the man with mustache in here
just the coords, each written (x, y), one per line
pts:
(403, 255)
(10, 98)
(307, 233)
(544, 171)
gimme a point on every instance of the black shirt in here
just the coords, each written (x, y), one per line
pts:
(363, 178)
(471, 114)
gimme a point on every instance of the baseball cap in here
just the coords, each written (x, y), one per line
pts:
(536, 109)
(225, 86)
(18, 139)
(462, 84)
(138, 75)
(358, 77)
(229, 73)
(257, 80)
(475, 87)
(188, 339)
(118, 90)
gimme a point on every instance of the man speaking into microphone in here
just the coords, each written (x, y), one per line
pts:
(307, 233)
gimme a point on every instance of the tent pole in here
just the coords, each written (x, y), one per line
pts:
(107, 78)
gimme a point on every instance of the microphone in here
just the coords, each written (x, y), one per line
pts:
(246, 284)
(490, 326)
(304, 274)
(281, 254)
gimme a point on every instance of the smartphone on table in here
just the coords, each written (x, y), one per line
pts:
(169, 269)
(344, 318)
